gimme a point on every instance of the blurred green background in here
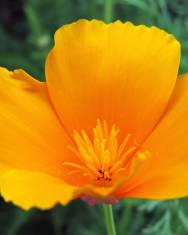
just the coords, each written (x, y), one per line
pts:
(26, 35)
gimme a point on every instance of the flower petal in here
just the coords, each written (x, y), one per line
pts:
(165, 174)
(31, 135)
(34, 189)
(120, 73)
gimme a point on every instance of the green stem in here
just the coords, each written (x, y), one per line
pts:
(108, 214)
(108, 10)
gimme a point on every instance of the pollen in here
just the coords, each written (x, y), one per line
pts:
(103, 159)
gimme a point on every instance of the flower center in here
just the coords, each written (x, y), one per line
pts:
(103, 159)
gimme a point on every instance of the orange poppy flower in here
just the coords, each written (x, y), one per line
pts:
(111, 120)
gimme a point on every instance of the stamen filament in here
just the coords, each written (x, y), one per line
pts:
(123, 145)
(126, 154)
(103, 159)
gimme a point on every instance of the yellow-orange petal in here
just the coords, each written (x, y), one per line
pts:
(165, 174)
(120, 73)
(31, 136)
(34, 189)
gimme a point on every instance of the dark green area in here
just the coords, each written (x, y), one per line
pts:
(26, 35)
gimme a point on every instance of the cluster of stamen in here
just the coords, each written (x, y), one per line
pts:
(102, 159)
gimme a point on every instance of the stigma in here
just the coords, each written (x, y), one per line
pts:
(102, 159)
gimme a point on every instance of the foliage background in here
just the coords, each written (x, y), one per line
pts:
(26, 35)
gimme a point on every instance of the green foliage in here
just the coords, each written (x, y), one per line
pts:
(26, 34)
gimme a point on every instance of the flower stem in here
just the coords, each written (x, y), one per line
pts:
(108, 214)
(108, 10)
